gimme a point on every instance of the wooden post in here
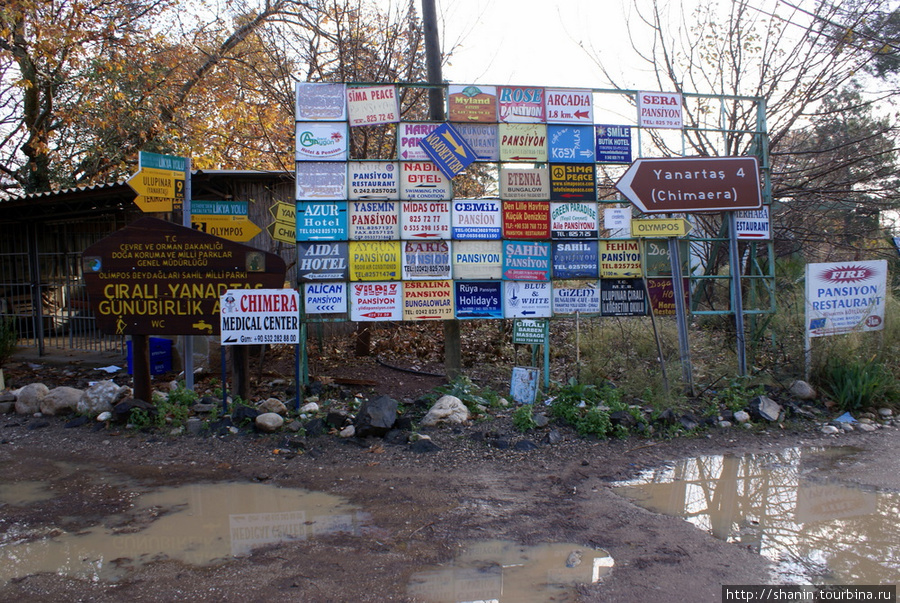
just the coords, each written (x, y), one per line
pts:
(140, 367)
(240, 372)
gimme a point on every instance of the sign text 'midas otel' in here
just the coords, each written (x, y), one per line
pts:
(158, 278)
(692, 184)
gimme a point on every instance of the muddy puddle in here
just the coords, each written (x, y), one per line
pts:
(198, 524)
(814, 530)
(498, 571)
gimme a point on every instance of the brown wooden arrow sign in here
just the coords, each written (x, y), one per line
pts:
(692, 184)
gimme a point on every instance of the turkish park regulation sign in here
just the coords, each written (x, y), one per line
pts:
(155, 277)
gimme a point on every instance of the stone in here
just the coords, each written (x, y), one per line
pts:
(61, 400)
(541, 419)
(243, 413)
(337, 419)
(7, 407)
(623, 418)
(554, 437)
(101, 397)
(37, 425)
(28, 399)
(122, 411)
(689, 422)
(272, 405)
(376, 417)
(77, 422)
(104, 416)
(763, 407)
(397, 437)
(315, 427)
(310, 408)
(194, 426)
(667, 417)
(348, 432)
(294, 426)
(724, 424)
(202, 408)
(829, 430)
(448, 409)
(742, 416)
(845, 426)
(866, 427)
(423, 446)
(885, 413)
(525, 446)
(269, 422)
(802, 390)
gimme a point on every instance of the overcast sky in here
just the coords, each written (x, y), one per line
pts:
(536, 41)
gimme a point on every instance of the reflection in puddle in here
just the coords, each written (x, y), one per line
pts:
(197, 524)
(19, 494)
(815, 532)
(497, 571)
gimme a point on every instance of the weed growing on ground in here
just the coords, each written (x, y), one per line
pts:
(523, 418)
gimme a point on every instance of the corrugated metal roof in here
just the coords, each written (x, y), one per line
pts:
(109, 186)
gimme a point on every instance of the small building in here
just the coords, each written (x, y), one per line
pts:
(42, 292)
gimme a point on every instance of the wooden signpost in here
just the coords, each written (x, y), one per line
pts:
(158, 278)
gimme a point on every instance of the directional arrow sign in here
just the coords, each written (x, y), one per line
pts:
(157, 189)
(284, 212)
(284, 232)
(692, 184)
(660, 228)
(233, 228)
(448, 150)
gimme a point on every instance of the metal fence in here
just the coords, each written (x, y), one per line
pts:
(42, 294)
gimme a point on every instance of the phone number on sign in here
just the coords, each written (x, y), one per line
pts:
(269, 338)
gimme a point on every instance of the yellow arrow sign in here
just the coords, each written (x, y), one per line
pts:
(154, 204)
(158, 190)
(233, 228)
(674, 227)
(284, 232)
(284, 212)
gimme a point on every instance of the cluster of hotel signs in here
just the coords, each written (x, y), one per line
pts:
(386, 240)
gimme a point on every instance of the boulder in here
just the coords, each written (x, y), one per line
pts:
(269, 422)
(61, 400)
(101, 397)
(376, 417)
(28, 399)
(802, 390)
(741, 416)
(310, 408)
(272, 405)
(448, 409)
(763, 407)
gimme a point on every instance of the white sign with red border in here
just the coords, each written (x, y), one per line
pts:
(376, 301)
(257, 316)
(371, 105)
(843, 297)
(753, 224)
(569, 106)
(660, 110)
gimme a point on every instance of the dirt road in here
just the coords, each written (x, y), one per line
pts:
(412, 510)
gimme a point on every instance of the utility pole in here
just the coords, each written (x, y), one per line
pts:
(452, 343)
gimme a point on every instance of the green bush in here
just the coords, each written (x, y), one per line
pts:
(8, 338)
(858, 384)
(523, 418)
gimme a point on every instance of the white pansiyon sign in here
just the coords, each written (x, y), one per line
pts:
(842, 297)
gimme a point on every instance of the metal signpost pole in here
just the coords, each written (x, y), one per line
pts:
(687, 371)
(188, 340)
(736, 296)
